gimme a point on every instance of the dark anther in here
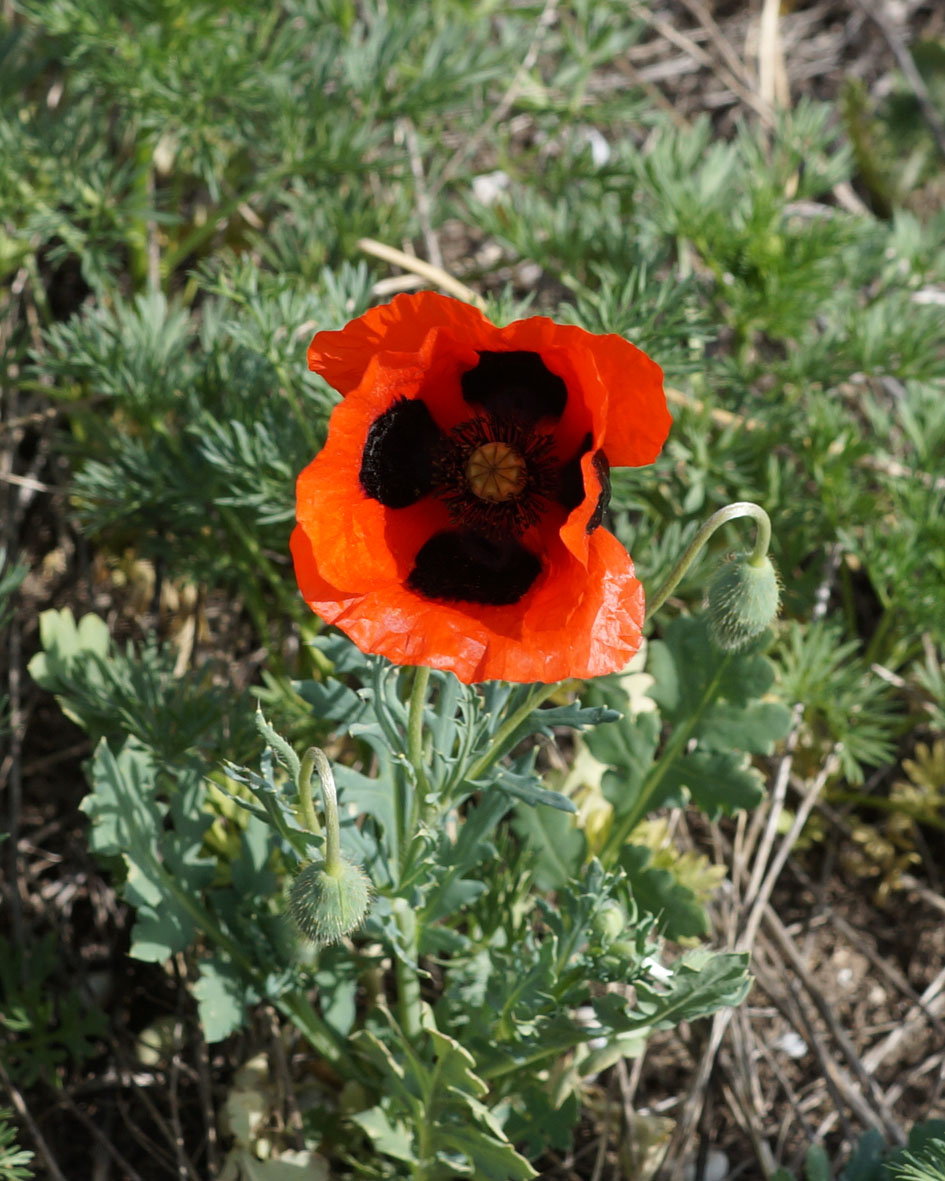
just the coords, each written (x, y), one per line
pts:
(469, 567)
(602, 467)
(515, 385)
(397, 465)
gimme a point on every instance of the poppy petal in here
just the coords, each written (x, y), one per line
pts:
(404, 429)
(586, 518)
(402, 325)
(611, 383)
(576, 622)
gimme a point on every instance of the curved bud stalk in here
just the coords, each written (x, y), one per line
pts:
(744, 594)
(331, 896)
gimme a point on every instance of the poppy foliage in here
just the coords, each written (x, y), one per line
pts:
(454, 516)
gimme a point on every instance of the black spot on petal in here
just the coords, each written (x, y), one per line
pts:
(397, 464)
(571, 490)
(602, 467)
(469, 567)
(515, 385)
(571, 479)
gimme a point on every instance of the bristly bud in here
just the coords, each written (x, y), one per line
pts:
(328, 904)
(610, 922)
(742, 600)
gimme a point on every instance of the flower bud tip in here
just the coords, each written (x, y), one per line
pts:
(742, 600)
(328, 904)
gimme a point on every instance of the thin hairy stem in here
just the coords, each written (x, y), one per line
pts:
(741, 508)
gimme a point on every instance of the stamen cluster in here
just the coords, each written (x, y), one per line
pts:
(514, 494)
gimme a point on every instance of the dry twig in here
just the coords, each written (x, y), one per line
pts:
(19, 1106)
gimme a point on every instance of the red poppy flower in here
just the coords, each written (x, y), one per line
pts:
(453, 517)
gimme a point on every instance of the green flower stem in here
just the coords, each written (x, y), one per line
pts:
(408, 982)
(418, 697)
(306, 810)
(316, 760)
(741, 508)
(676, 744)
(540, 694)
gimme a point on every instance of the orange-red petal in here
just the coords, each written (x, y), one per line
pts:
(614, 389)
(574, 532)
(575, 621)
(402, 325)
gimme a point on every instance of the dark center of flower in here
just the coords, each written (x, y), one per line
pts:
(495, 474)
(498, 474)
(495, 471)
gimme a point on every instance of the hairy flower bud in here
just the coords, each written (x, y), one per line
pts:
(610, 922)
(742, 600)
(328, 904)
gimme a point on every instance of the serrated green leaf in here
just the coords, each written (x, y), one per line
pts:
(754, 727)
(454, 1065)
(492, 1159)
(371, 1046)
(125, 817)
(338, 981)
(128, 820)
(62, 640)
(330, 700)
(159, 931)
(701, 983)
(220, 993)
(717, 782)
(627, 747)
(527, 787)
(620, 1047)
(688, 668)
(658, 892)
(577, 716)
(252, 877)
(558, 844)
(389, 1136)
(360, 795)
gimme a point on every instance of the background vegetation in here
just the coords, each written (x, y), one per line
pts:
(753, 196)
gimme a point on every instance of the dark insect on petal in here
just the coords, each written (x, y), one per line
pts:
(515, 385)
(397, 464)
(469, 567)
(602, 467)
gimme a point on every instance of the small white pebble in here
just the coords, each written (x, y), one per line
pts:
(792, 1044)
(600, 148)
(488, 187)
(716, 1167)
